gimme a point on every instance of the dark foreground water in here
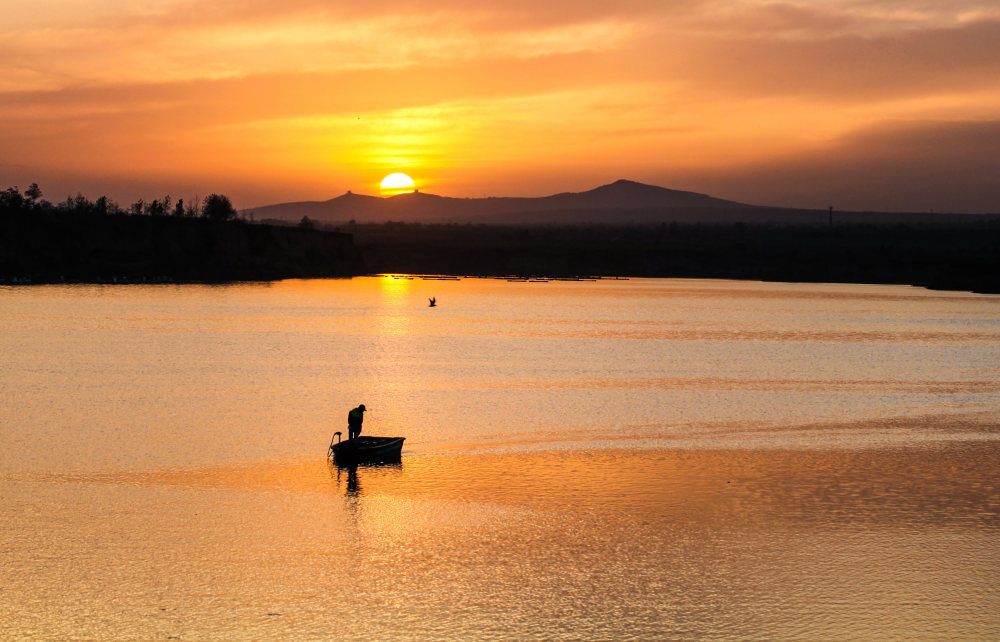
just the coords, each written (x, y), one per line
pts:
(635, 459)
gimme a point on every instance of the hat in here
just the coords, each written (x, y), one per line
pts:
(361, 407)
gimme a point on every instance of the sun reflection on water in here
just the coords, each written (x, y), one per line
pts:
(394, 288)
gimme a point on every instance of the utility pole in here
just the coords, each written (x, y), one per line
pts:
(831, 216)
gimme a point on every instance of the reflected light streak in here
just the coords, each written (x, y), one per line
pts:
(395, 292)
(394, 288)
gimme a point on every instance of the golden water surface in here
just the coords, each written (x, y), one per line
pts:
(650, 459)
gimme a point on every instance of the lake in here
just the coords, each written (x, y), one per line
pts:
(642, 459)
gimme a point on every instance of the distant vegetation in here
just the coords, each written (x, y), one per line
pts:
(158, 241)
(12, 202)
(956, 256)
(80, 240)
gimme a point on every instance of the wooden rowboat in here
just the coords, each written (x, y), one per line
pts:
(362, 449)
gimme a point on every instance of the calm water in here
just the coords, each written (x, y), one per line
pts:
(616, 459)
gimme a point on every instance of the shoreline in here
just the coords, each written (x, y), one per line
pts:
(532, 278)
(47, 248)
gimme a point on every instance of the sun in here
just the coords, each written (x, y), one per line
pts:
(397, 184)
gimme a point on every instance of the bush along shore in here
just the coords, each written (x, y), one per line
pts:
(157, 242)
(958, 256)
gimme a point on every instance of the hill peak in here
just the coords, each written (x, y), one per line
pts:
(414, 195)
(622, 182)
(625, 186)
(626, 194)
(349, 196)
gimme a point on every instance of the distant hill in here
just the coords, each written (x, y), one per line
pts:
(625, 194)
(621, 202)
(619, 196)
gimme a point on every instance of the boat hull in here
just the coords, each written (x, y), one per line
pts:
(362, 449)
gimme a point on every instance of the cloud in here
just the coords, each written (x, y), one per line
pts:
(69, 57)
(199, 103)
(839, 69)
(892, 166)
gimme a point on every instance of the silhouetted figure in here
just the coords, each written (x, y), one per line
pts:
(354, 420)
(433, 301)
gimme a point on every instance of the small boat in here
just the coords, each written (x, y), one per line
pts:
(362, 449)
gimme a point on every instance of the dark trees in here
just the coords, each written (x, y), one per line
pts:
(11, 201)
(33, 193)
(217, 207)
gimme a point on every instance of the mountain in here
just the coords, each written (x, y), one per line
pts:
(625, 194)
(621, 202)
(342, 208)
(616, 200)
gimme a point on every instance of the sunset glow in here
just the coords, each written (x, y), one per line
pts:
(860, 103)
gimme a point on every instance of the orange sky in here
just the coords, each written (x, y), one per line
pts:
(886, 105)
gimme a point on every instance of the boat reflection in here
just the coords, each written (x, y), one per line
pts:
(348, 474)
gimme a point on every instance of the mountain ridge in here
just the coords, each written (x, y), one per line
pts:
(417, 206)
(620, 202)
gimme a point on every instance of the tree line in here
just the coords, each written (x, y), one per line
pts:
(84, 241)
(216, 207)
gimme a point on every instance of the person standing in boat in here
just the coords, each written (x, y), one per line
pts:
(354, 420)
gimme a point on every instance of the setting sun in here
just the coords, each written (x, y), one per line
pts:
(396, 183)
